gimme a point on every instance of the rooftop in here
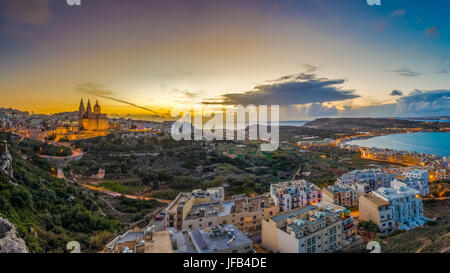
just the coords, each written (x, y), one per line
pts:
(293, 186)
(292, 213)
(160, 243)
(398, 190)
(218, 238)
(130, 237)
(238, 205)
(338, 188)
(375, 199)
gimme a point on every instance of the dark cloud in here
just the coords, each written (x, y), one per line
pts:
(319, 110)
(294, 89)
(432, 32)
(34, 12)
(406, 72)
(426, 103)
(396, 93)
(98, 90)
(310, 68)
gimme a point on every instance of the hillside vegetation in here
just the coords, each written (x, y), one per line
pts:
(48, 212)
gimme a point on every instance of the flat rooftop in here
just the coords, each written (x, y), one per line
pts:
(160, 243)
(130, 237)
(375, 199)
(292, 213)
(337, 188)
(181, 199)
(226, 237)
(238, 205)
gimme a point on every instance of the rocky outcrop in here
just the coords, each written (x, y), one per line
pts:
(9, 242)
(5, 161)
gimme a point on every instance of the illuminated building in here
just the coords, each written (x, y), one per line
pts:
(92, 119)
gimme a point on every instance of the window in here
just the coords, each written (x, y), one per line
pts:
(311, 249)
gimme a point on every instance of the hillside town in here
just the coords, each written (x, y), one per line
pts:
(290, 216)
(294, 217)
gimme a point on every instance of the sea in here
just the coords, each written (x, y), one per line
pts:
(294, 123)
(435, 143)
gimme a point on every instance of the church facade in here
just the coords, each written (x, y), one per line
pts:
(92, 119)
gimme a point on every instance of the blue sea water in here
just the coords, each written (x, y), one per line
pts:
(295, 123)
(436, 143)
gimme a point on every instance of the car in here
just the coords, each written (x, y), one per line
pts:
(158, 218)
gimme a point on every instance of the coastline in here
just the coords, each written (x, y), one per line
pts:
(391, 142)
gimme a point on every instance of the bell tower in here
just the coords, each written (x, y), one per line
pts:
(81, 109)
(89, 108)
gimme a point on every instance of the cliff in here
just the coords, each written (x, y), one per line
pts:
(9, 242)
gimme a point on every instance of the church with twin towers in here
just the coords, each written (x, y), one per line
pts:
(92, 119)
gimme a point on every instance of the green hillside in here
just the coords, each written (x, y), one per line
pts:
(48, 212)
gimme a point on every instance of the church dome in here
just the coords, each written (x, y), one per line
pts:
(97, 109)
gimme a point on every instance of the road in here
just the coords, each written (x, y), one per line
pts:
(116, 194)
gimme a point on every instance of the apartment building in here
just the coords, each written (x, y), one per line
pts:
(378, 210)
(406, 205)
(293, 194)
(416, 179)
(246, 213)
(342, 195)
(309, 229)
(375, 178)
(177, 211)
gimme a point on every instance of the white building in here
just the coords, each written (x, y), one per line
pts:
(416, 179)
(320, 228)
(405, 203)
(293, 194)
(375, 178)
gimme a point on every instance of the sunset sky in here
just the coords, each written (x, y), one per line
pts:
(314, 57)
